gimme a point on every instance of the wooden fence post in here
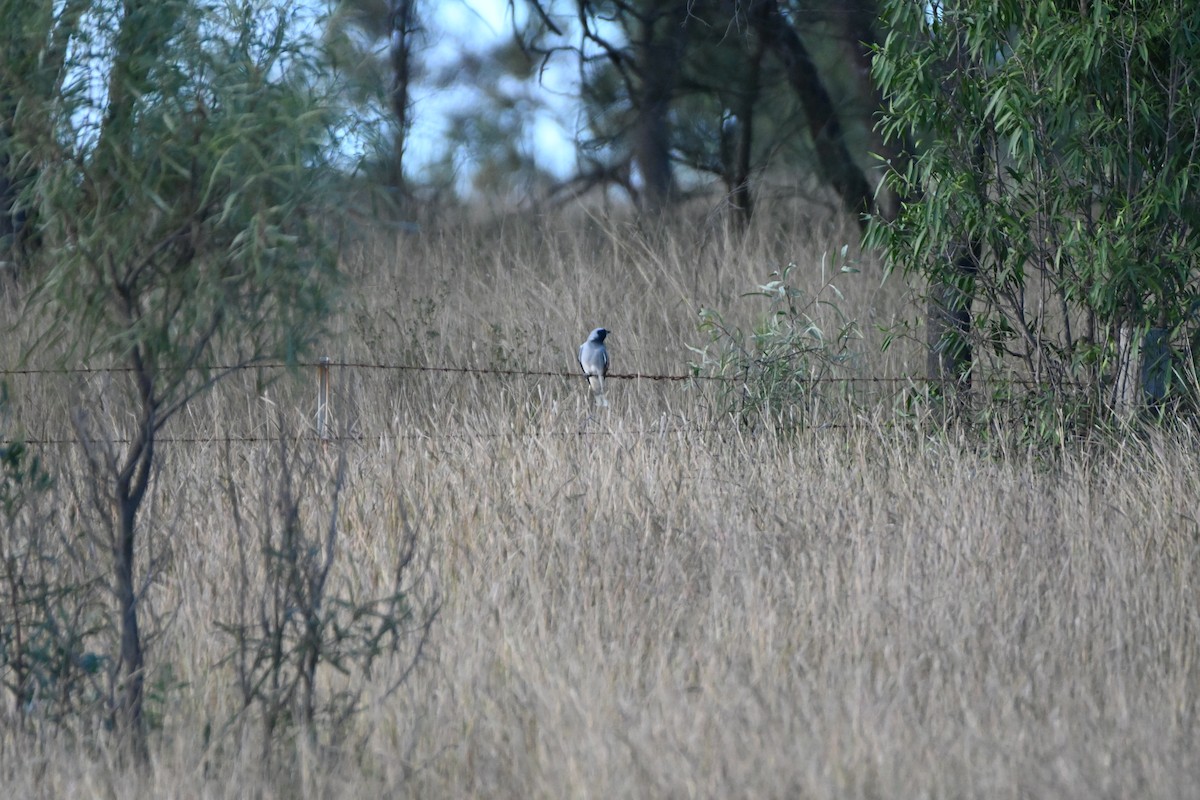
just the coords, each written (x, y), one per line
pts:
(323, 399)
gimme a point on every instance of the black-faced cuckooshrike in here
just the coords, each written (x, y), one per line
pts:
(593, 357)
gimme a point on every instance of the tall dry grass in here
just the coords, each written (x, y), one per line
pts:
(648, 602)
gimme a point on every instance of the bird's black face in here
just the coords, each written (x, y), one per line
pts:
(599, 334)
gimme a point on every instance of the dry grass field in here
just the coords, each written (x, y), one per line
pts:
(647, 600)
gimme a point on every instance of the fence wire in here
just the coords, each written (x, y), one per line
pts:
(491, 371)
(325, 365)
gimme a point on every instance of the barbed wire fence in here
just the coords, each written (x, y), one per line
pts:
(322, 372)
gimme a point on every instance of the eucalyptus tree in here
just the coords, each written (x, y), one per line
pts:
(185, 172)
(1052, 192)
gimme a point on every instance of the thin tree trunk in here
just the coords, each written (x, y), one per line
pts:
(131, 483)
(131, 692)
(741, 197)
(143, 35)
(403, 15)
(950, 354)
(12, 216)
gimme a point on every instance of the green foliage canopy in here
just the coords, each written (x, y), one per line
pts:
(180, 158)
(185, 194)
(1061, 141)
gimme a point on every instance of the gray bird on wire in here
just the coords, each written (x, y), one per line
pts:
(593, 357)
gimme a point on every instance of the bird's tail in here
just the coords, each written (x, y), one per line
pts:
(597, 384)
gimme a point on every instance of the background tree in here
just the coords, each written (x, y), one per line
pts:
(660, 35)
(489, 144)
(1064, 152)
(671, 92)
(185, 216)
(629, 58)
(852, 29)
(375, 43)
(834, 162)
(33, 52)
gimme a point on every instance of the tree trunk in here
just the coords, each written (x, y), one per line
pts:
(855, 32)
(15, 224)
(143, 36)
(836, 165)
(130, 485)
(658, 53)
(741, 198)
(12, 218)
(403, 17)
(131, 691)
(1144, 368)
(949, 324)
